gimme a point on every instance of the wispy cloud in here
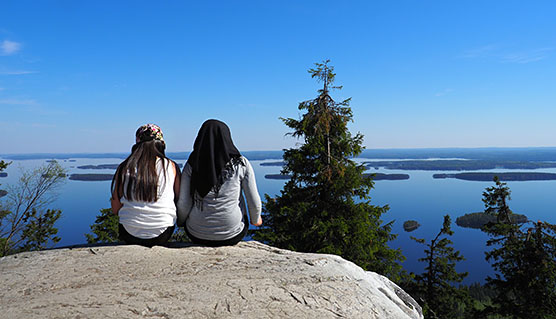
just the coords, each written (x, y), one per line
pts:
(495, 51)
(527, 56)
(486, 50)
(17, 72)
(18, 102)
(444, 92)
(8, 47)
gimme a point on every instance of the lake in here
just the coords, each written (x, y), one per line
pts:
(420, 198)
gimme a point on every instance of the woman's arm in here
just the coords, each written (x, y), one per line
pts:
(115, 203)
(177, 181)
(249, 187)
(185, 202)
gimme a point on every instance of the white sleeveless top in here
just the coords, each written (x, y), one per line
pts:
(148, 220)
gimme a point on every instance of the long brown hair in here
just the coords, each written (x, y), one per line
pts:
(139, 170)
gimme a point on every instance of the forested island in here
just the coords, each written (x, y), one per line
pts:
(487, 177)
(280, 163)
(478, 220)
(277, 176)
(375, 176)
(91, 177)
(3, 193)
(458, 165)
(410, 225)
(101, 166)
(386, 177)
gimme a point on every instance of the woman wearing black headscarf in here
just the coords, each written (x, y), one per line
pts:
(211, 204)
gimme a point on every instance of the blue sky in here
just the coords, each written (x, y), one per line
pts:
(81, 76)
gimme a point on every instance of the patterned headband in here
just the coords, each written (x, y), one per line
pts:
(148, 132)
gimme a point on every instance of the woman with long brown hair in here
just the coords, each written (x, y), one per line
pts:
(214, 182)
(145, 189)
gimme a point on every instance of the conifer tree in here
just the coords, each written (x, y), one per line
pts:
(39, 229)
(105, 228)
(325, 206)
(524, 260)
(496, 200)
(435, 287)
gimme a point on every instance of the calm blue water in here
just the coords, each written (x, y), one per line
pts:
(421, 198)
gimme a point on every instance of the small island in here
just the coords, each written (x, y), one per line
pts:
(386, 177)
(281, 163)
(487, 177)
(3, 193)
(101, 166)
(478, 220)
(277, 176)
(410, 225)
(374, 176)
(91, 177)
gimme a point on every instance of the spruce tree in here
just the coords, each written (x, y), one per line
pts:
(39, 230)
(435, 287)
(325, 206)
(105, 228)
(524, 259)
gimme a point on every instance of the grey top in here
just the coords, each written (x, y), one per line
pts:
(220, 217)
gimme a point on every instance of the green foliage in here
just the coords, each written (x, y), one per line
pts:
(3, 165)
(434, 288)
(496, 201)
(105, 228)
(179, 236)
(325, 206)
(39, 229)
(25, 223)
(524, 260)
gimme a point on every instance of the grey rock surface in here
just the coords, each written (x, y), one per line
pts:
(249, 280)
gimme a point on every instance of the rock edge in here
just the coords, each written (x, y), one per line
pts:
(249, 280)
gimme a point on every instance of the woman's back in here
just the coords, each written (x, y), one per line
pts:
(219, 215)
(157, 214)
(211, 201)
(144, 190)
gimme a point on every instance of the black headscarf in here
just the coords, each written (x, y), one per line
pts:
(213, 157)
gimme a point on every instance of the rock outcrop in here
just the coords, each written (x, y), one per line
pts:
(249, 280)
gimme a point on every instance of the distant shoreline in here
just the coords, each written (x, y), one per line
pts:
(376, 177)
(507, 176)
(91, 177)
(536, 154)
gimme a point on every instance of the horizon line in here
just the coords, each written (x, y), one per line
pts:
(365, 149)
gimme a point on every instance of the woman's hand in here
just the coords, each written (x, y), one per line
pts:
(259, 222)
